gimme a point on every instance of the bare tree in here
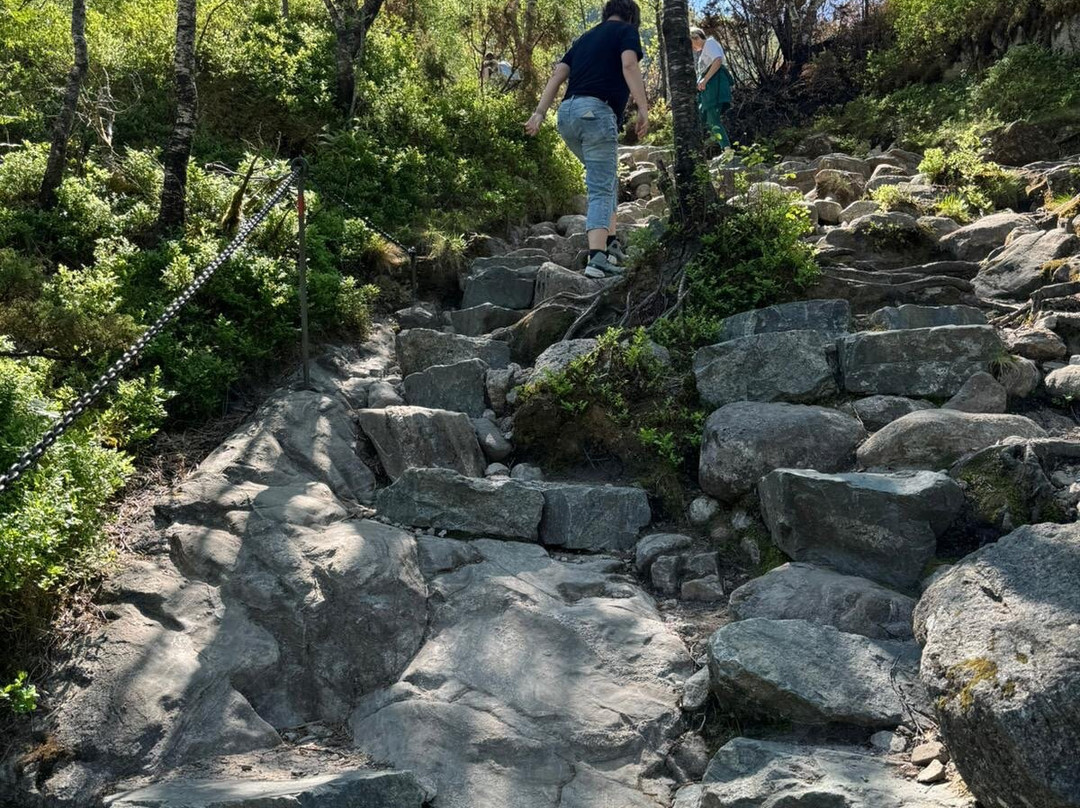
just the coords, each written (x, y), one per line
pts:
(178, 150)
(351, 21)
(688, 129)
(54, 170)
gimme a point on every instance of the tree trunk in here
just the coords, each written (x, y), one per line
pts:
(524, 57)
(54, 170)
(285, 9)
(665, 91)
(351, 23)
(178, 151)
(691, 192)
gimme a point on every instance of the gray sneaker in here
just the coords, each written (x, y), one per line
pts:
(616, 251)
(602, 264)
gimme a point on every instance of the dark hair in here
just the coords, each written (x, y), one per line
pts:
(627, 9)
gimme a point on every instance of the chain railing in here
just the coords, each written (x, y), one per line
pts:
(32, 455)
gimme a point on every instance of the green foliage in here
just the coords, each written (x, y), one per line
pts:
(956, 207)
(753, 256)
(1029, 81)
(50, 523)
(894, 197)
(981, 184)
(620, 399)
(20, 695)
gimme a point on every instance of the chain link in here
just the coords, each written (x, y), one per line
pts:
(32, 455)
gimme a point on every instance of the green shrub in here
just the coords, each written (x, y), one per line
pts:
(20, 695)
(754, 256)
(1029, 82)
(895, 197)
(956, 207)
(619, 400)
(983, 185)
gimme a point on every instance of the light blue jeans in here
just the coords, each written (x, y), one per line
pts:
(589, 127)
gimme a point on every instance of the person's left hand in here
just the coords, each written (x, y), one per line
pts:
(532, 126)
(701, 86)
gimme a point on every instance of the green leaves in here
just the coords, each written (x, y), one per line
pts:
(20, 696)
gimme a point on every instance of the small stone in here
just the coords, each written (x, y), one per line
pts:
(665, 573)
(701, 565)
(702, 510)
(882, 741)
(497, 470)
(653, 546)
(751, 549)
(696, 691)
(705, 590)
(527, 471)
(934, 773)
(927, 752)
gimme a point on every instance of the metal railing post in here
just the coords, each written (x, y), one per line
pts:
(301, 268)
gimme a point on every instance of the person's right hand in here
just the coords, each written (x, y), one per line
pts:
(642, 127)
(532, 126)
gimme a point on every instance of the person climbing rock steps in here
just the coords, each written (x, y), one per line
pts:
(603, 68)
(714, 85)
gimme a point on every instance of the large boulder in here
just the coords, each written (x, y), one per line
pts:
(879, 526)
(592, 517)
(828, 316)
(553, 280)
(981, 393)
(459, 387)
(1009, 484)
(744, 441)
(784, 366)
(296, 437)
(797, 591)
(1064, 382)
(444, 500)
(917, 362)
(749, 773)
(935, 439)
(843, 187)
(420, 348)
(1027, 264)
(879, 411)
(384, 789)
(501, 286)
(885, 240)
(892, 318)
(809, 673)
(1002, 658)
(976, 241)
(540, 683)
(558, 357)
(416, 437)
(538, 330)
(483, 319)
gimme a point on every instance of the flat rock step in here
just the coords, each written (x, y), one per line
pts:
(357, 789)
(574, 516)
(767, 774)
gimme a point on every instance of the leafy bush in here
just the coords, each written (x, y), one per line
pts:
(621, 400)
(983, 185)
(1029, 81)
(20, 695)
(894, 197)
(956, 207)
(754, 256)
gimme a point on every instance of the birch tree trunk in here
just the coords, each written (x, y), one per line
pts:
(54, 170)
(178, 150)
(689, 132)
(351, 21)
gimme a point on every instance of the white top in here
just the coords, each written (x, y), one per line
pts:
(709, 54)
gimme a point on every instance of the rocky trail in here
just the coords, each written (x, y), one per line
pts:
(364, 598)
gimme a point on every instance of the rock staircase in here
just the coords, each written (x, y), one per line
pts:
(363, 576)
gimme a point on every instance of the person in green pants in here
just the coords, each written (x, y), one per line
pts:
(714, 85)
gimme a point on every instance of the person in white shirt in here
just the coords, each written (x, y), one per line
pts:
(714, 85)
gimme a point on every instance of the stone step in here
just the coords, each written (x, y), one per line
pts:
(573, 516)
(878, 526)
(421, 348)
(384, 789)
(798, 591)
(768, 773)
(460, 387)
(813, 674)
(501, 286)
(483, 319)
(417, 437)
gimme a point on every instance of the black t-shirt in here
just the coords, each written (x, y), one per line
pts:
(595, 62)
